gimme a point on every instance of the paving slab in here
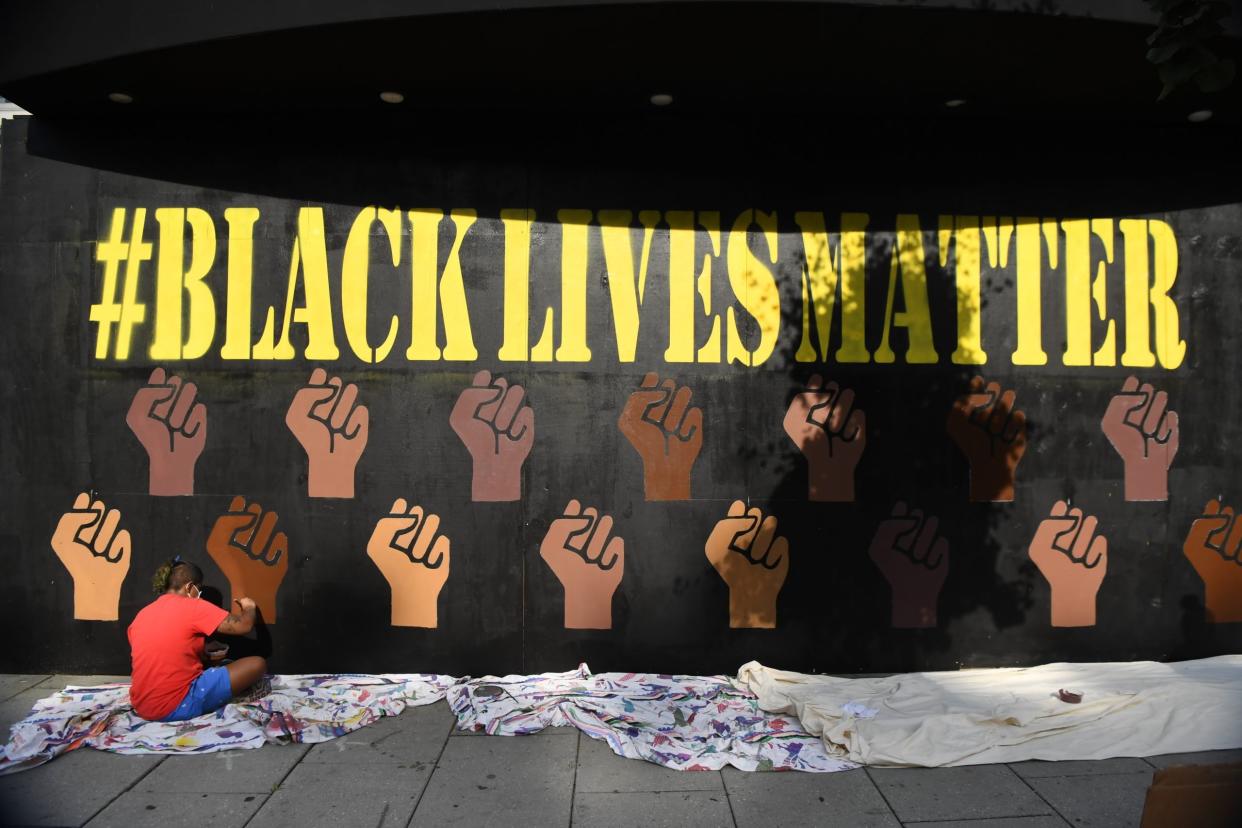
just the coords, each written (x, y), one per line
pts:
(1074, 767)
(845, 798)
(417, 735)
(17, 707)
(61, 681)
(1206, 757)
(972, 792)
(1000, 822)
(11, 683)
(1113, 800)
(655, 808)
(55, 793)
(138, 809)
(547, 731)
(602, 771)
(344, 794)
(256, 771)
(502, 781)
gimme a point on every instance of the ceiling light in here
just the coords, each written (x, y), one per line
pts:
(120, 97)
(954, 103)
(392, 97)
(1199, 116)
(661, 99)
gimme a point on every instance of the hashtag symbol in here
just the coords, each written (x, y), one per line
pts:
(129, 311)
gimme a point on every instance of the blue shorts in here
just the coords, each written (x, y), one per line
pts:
(208, 693)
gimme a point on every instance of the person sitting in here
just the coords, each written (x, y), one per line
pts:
(167, 641)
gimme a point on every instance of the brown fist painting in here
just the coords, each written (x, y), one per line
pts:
(498, 431)
(588, 564)
(1213, 547)
(172, 427)
(332, 427)
(915, 562)
(832, 434)
(753, 561)
(1073, 559)
(992, 435)
(667, 433)
(1145, 434)
(414, 560)
(250, 552)
(97, 553)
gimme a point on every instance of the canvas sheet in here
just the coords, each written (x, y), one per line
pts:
(307, 708)
(974, 717)
(680, 722)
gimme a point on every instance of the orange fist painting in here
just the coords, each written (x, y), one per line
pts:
(498, 431)
(1213, 548)
(172, 427)
(992, 435)
(1073, 559)
(96, 552)
(332, 427)
(831, 434)
(1145, 434)
(745, 549)
(667, 433)
(414, 560)
(915, 562)
(588, 563)
(250, 552)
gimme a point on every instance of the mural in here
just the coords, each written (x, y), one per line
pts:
(1214, 548)
(253, 556)
(498, 431)
(588, 561)
(914, 559)
(414, 560)
(667, 432)
(90, 543)
(1145, 432)
(172, 426)
(753, 560)
(332, 427)
(1073, 558)
(992, 434)
(831, 433)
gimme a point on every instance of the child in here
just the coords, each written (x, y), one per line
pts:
(167, 641)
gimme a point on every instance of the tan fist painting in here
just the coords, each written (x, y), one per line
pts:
(172, 426)
(332, 427)
(667, 433)
(832, 434)
(1145, 433)
(1214, 548)
(414, 560)
(747, 553)
(498, 431)
(992, 434)
(588, 563)
(253, 556)
(915, 561)
(1073, 559)
(96, 551)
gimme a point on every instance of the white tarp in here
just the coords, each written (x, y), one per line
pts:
(973, 717)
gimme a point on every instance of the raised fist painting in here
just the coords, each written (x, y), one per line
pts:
(332, 427)
(1214, 549)
(588, 561)
(1073, 558)
(992, 434)
(96, 551)
(915, 561)
(745, 549)
(832, 434)
(667, 433)
(1144, 432)
(250, 552)
(498, 431)
(414, 559)
(172, 426)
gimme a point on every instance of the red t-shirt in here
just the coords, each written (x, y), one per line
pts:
(166, 641)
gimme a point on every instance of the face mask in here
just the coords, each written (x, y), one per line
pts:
(200, 592)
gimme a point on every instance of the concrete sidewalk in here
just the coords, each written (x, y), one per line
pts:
(416, 769)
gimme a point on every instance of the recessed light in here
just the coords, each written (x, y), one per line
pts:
(954, 103)
(661, 99)
(392, 97)
(120, 97)
(1199, 116)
